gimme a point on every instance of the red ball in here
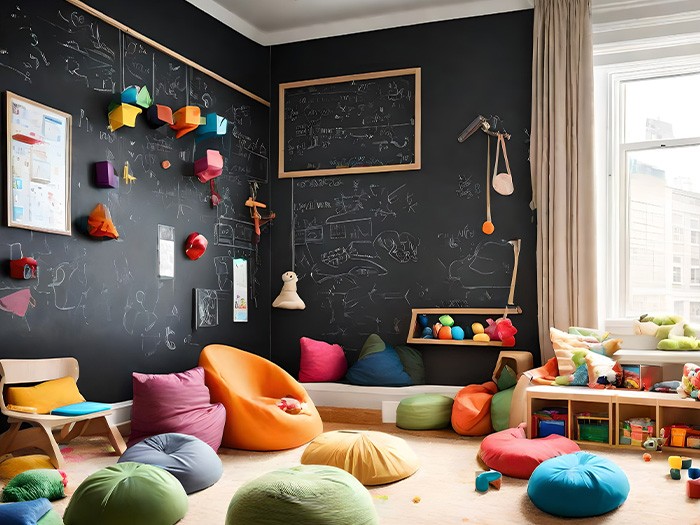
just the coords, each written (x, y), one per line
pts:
(195, 245)
(646, 456)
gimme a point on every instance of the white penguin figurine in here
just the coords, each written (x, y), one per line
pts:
(288, 297)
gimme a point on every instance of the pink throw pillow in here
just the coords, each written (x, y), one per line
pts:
(177, 402)
(321, 361)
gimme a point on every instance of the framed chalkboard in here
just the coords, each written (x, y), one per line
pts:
(364, 123)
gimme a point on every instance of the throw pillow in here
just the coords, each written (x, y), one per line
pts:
(45, 396)
(321, 361)
(24, 512)
(177, 402)
(412, 361)
(379, 369)
(373, 344)
(507, 379)
(35, 484)
(13, 466)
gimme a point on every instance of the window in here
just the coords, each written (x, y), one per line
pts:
(653, 188)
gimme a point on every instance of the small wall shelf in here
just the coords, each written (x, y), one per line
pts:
(414, 329)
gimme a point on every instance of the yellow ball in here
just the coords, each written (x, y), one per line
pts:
(477, 328)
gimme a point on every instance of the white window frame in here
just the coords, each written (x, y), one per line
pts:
(614, 266)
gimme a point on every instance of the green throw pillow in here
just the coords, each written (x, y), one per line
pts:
(507, 379)
(500, 409)
(412, 362)
(373, 344)
(35, 484)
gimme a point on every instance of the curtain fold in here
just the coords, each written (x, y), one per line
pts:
(562, 164)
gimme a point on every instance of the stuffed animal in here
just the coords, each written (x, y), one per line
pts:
(603, 372)
(288, 297)
(501, 329)
(291, 405)
(690, 383)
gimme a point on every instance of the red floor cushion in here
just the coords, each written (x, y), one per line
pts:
(512, 454)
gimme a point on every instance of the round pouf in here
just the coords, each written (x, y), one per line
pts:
(308, 494)
(424, 412)
(578, 485)
(131, 493)
(194, 463)
(374, 458)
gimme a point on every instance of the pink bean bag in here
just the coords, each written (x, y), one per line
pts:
(178, 402)
(512, 454)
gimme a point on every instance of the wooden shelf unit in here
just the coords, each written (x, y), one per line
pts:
(414, 328)
(620, 405)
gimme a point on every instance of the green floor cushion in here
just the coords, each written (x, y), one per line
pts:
(308, 494)
(424, 412)
(35, 484)
(500, 409)
(130, 493)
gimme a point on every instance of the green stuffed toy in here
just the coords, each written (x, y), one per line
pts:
(35, 484)
(678, 342)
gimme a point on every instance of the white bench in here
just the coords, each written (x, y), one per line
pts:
(384, 398)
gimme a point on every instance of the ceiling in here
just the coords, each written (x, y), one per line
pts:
(270, 22)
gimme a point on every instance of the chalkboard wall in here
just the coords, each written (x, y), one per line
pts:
(103, 302)
(370, 247)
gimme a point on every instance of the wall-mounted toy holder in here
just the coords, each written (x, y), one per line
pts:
(209, 166)
(158, 116)
(100, 225)
(120, 114)
(24, 268)
(480, 123)
(186, 119)
(259, 219)
(211, 126)
(137, 96)
(195, 245)
(106, 175)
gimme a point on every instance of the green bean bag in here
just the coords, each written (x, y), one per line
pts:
(424, 412)
(35, 484)
(308, 494)
(129, 492)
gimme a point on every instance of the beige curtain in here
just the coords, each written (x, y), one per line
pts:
(561, 157)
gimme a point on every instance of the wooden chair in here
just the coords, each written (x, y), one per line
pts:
(41, 434)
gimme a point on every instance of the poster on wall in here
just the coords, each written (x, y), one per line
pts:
(240, 290)
(166, 252)
(38, 166)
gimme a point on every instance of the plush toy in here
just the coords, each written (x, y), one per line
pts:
(603, 372)
(580, 375)
(690, 383)
(501, 329)
(289, 298)
(291, 405)
(678, 342)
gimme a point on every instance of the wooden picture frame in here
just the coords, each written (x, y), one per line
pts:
(38, 166)
(350, 124)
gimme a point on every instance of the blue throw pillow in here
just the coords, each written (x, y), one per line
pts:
(379, 369)
(24, 512)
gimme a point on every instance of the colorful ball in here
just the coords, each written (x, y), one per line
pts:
(423, 320)
(457, 333)
(436, 329)
(646, 456)
(445, 332)
(446, 320)
(477, 328)
(427, 331)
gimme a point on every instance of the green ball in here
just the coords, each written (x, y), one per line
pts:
(446, 320)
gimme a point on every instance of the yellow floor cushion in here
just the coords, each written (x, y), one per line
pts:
(374, 458)
(10, 467)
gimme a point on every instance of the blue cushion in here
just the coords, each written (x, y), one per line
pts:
(24, 512)
(578, 485)
(379, 369)
(80, 409)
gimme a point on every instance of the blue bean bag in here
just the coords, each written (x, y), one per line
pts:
(578, 485)
(194, 463)
(378, 365)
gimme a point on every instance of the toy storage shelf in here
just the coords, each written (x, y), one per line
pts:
(619, 405)
(414, 328)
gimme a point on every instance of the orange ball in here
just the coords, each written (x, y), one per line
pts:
(165, 164)
(445, 333)
(487, 227)
(646, 456)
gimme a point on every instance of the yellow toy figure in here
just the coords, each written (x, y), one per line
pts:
(126, 174)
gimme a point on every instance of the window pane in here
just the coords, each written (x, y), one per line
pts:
(664, 185)
(658, 108)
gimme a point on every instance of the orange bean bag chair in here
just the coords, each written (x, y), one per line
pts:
(251, 388)
(471, 411)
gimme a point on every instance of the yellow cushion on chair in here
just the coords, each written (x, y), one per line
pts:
(45, 396)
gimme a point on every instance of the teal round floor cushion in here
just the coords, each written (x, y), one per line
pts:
(578, 485)
(128, 492)
(308, 494)
(424, 412)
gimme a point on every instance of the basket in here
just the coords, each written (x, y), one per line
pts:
(591, 428)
